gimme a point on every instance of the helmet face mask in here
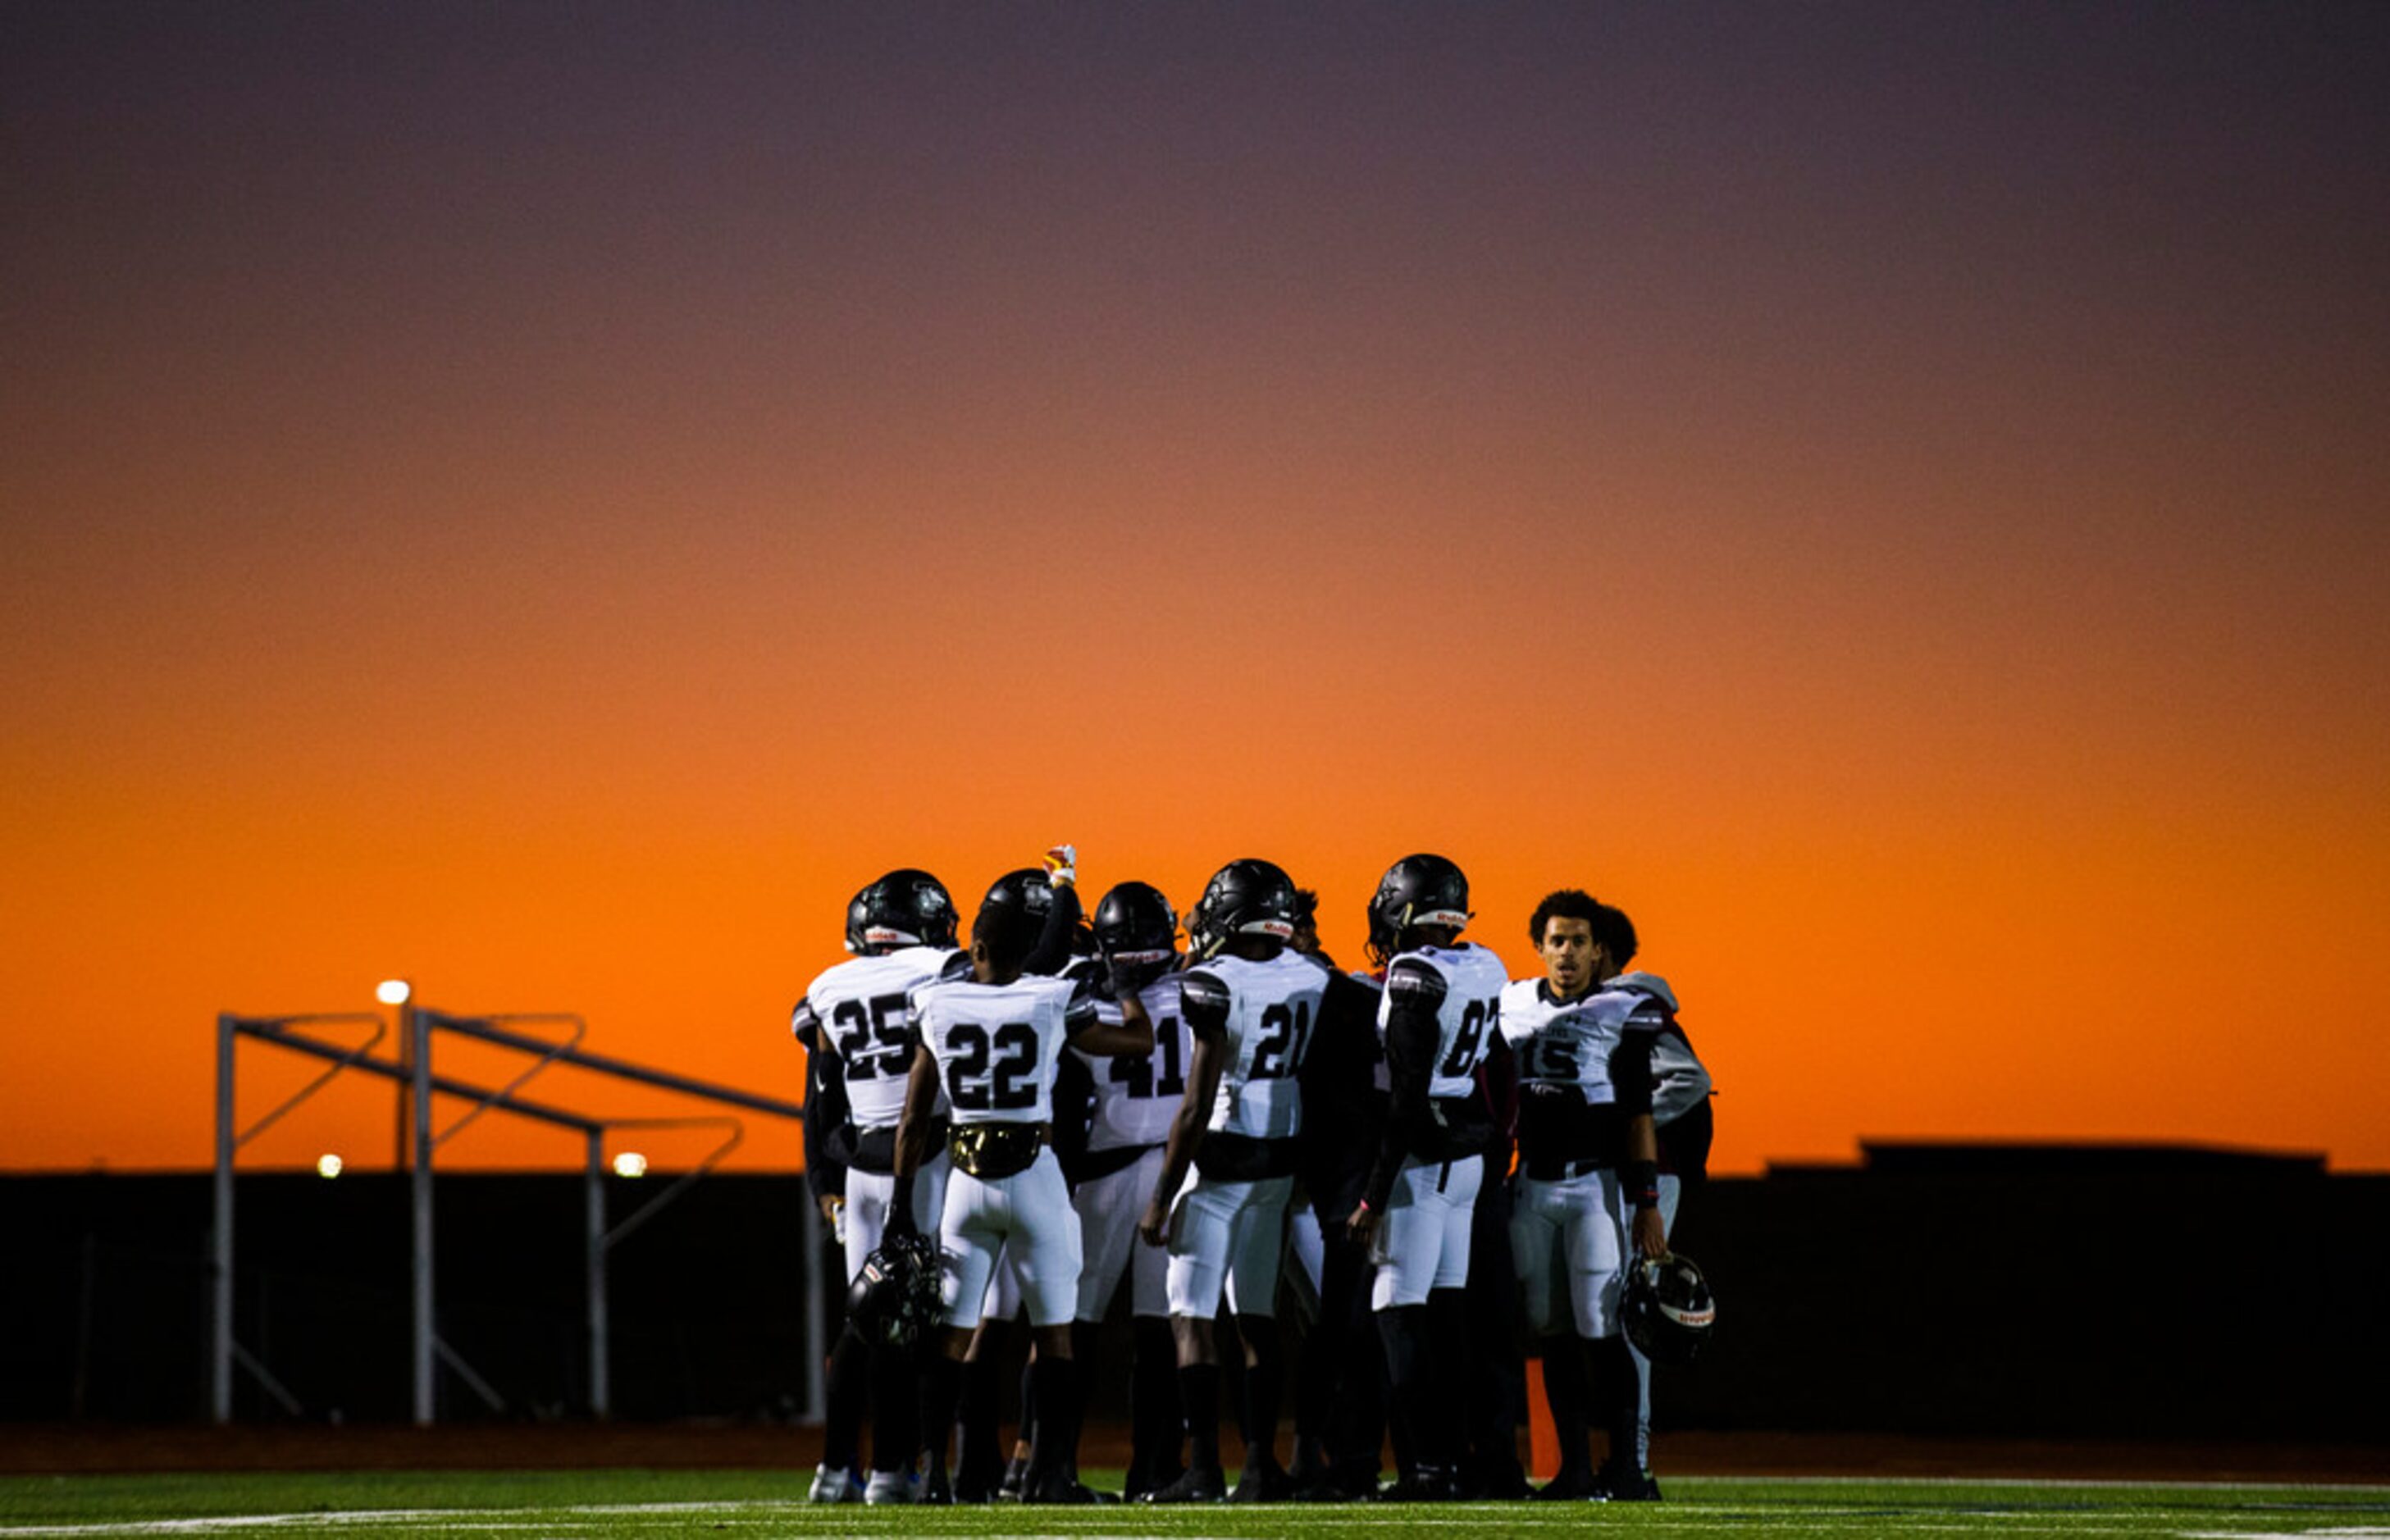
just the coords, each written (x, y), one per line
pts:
(1137, 932)
(895, 1297)
(1667, 1309)
(1244, 898)
(906, 907)
(1417, 890)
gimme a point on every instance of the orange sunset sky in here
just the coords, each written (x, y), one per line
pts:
(548, 501)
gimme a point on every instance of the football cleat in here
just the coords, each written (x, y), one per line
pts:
(1199, 1484)
(1620, 1483)
(889, 1486)
(835, 1484)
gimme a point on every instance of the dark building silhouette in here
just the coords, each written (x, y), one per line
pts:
(2025, 1290)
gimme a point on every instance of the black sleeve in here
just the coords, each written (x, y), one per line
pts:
(1203, 1003)
(1498, 1078)
(1074, 1109)
(1344, 1050)
(1080, 1014)
(1630, 1064)
(826, 1113)
(1416, 992)
(1053, 953)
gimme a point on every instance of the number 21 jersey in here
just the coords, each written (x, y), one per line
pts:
(1266, 1010)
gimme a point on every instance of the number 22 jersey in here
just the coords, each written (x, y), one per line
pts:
(997, 1045)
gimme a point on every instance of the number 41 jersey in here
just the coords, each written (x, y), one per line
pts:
(1266, 1010)
(1136, 1095)
(997, 1045)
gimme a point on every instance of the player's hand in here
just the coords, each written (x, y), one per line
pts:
(1154, 1229)
(831, 1203)
(1062, 865)
(900, 1222)
(1361, 1227)
(1650, 1234)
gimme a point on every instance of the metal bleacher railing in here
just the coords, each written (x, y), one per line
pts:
(418, 1087)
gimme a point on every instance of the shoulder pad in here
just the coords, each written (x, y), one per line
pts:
(1415, 980)
(957, 966)
(1203, 1000)
(803, 1024)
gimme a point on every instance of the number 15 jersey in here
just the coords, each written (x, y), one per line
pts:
(997, 1045)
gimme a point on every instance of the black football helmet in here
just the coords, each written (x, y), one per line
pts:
(907, 907)
(1028, 893)
(1667, 1309)
(1137, 932)
(895, 1297)
(1244, 898)
(1417, 890)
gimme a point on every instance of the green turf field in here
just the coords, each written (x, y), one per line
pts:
(667, 1503)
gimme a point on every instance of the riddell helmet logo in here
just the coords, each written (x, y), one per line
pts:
(1277, 927)
(882, 935)
(1441, 917)
(1704, 1316)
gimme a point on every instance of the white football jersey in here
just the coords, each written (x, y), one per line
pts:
(1569, 1043)
(1136, 1095)
(1468, 1013)
(860, 1011)
(1679, 1082)
(1271, 1006)
(997, 1044)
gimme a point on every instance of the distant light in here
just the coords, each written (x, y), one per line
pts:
(328, 1167)
(393, 991)
(630, 1163)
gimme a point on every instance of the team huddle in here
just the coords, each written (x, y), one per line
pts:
(1015, 1126)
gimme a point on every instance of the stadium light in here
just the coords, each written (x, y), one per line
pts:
(630, 1163)
(393, 991)
(329, 1165)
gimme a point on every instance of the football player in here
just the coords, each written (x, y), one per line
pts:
(1113, 1117)
(856, 1023)
(1589, 1182)
(1227, 1169)
(989, 1047)
(982, 1474)
(1438, 1019)
(1341, 1393)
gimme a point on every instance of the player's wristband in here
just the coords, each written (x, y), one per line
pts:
(1643, 1183)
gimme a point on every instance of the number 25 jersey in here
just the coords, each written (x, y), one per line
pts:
(997, 1045)
(859, 1011)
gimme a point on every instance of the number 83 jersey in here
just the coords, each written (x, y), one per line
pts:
(1463, 987)
(997, 1045)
